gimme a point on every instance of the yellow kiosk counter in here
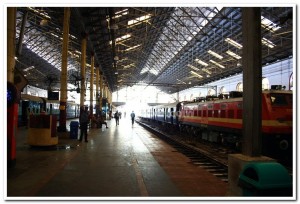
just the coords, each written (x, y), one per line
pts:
(42, 130)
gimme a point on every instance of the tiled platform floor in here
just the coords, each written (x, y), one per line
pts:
(119, 162)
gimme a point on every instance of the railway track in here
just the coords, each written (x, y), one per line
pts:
(212, 158)
(199, 157)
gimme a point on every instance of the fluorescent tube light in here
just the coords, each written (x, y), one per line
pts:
(201, 62)
(216, 63)
(139, 19)
(193, 67)
(215, 54)
(206, 70)
(233, 54)
(196, 74)
(266, 23)
(267, 43)
(131, 48)
(235, 44)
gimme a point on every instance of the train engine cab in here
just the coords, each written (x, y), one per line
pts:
(277, 124)
(221, 120)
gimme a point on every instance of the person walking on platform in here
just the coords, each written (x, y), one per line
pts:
(117, 117)
(84, 120)
(132, 117)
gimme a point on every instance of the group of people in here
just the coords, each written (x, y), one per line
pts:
(85, 118)
(117, 117)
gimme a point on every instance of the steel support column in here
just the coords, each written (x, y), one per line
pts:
(63, 77)
(12, 108)
(252, 69)
(92, 85)
(252, 78)
(21, 36)
(83, 63)
(11, 36)
(97, 89)
(101, 92)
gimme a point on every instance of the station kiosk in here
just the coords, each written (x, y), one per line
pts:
(42, 130)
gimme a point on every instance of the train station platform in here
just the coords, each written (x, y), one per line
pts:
(121, 162)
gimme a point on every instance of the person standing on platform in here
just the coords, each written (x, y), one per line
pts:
(132, 117)
(84, 120)
(117, 117)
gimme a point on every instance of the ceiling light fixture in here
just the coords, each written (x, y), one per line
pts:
(128, 66)
(234, 43)
(122, 38)
(193, 67)
(266, 23)
(267, 43)
(206, 70)
(216, 63)
(215, 54)
(139, 20)
(201, 62)
(40, 12)
(196, 74)
(28, 68)
(121, 13)
(233, 54)
(131, 48)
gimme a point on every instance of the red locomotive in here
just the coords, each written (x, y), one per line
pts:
(219, 119)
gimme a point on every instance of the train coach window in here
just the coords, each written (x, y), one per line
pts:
(239, 114)
(230, 113)
(222, 114)
(216, 113)
(195, 112)
(199, 113)
(209, 113)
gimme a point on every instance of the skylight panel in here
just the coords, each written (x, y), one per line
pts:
(144, 70)
(218, 8)
(153, 71)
